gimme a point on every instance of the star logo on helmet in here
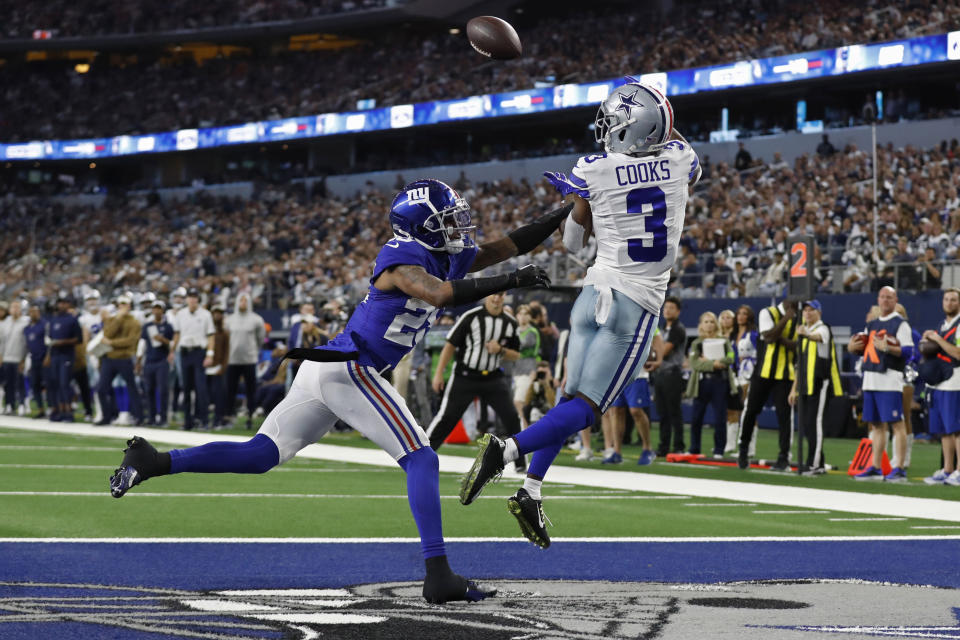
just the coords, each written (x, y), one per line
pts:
(628, 102)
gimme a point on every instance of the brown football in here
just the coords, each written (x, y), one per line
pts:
(494, 38)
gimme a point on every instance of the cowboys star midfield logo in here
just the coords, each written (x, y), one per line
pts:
(532, 610)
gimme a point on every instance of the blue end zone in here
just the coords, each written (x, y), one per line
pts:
(202, 566)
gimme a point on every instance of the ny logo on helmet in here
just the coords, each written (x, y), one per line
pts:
(420, 194)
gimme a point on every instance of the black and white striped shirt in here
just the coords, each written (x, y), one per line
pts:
(470, 335)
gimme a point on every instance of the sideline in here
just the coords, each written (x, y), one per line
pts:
(810, 498)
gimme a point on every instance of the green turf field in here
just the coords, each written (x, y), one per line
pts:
(54, 485)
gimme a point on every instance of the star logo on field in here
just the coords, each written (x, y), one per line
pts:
(628, 102)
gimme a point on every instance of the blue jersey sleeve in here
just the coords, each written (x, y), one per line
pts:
(399, 252)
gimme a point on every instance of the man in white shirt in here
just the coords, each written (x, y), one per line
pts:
(14, 356)
(193, 340)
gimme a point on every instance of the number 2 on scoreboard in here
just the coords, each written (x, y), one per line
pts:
(799, 268)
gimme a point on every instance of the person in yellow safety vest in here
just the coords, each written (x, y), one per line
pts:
(772, 376)
(817, 379)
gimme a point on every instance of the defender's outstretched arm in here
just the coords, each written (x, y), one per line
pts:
(520, 241)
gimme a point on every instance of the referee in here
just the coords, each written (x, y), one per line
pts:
(773, 376)
(818, 378)
(481, 339)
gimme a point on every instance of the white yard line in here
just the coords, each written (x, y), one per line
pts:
(802, 497)
(865, 519)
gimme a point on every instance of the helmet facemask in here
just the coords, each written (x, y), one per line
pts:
(454, 224)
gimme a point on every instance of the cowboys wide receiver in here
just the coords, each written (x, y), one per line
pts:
(633, 198)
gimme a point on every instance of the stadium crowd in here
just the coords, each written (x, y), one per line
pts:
(51, 100)
(76, 19)
(285, 244)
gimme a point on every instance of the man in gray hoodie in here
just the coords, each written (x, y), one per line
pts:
(247, 334)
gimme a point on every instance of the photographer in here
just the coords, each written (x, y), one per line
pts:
(540, 396)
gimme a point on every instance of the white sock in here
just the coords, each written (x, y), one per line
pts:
(510, 451)
(533, 487)
(906, 462)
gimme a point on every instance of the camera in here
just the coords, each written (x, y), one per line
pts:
(541, 375)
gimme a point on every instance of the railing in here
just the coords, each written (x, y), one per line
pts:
(857, 278)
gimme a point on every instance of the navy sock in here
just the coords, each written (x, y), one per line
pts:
(560, 422)
(257, 455)
(423, 492)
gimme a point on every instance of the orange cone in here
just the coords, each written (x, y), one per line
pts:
(458, 435)
(863, 458)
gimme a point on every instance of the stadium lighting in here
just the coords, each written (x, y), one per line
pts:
(454, 31)
(82, 67)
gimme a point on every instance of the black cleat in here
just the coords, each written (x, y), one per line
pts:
(529, 513)
(742, 461)
(443, 585)
(487, 466)
(141, 461)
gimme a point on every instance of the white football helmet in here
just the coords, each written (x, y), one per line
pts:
(634, 119)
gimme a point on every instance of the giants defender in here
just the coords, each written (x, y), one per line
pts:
(420, 270)
(634, 198)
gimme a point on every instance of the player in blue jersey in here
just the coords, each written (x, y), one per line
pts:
(633, 198)
(419, 271)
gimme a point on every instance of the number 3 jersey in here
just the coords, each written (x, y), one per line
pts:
(638, 205)
(388, 324)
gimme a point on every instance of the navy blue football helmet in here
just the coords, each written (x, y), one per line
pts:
(434, 215)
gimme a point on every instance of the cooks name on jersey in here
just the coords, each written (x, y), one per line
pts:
(653, 171)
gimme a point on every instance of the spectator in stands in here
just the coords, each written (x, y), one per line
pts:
(882, 365)
(668, 380)
(525, 367)
(930, 273)
(825, 149)
(743, 160)
(14, 358)
(690, 278)
(154, 365)
(711, 382)
(247, 335)
(722, 278)
(122, 333)
(944, 399)
(216, 372)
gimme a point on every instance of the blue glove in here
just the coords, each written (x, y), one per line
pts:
(561, 182)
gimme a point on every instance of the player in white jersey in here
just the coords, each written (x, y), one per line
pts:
(91, 323)
(633, 198)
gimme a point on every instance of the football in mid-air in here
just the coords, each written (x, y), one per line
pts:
(494, 38)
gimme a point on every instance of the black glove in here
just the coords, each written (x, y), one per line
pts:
(531, 276)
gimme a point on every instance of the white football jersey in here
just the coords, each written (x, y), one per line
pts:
(92, 322)
(638, 205)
